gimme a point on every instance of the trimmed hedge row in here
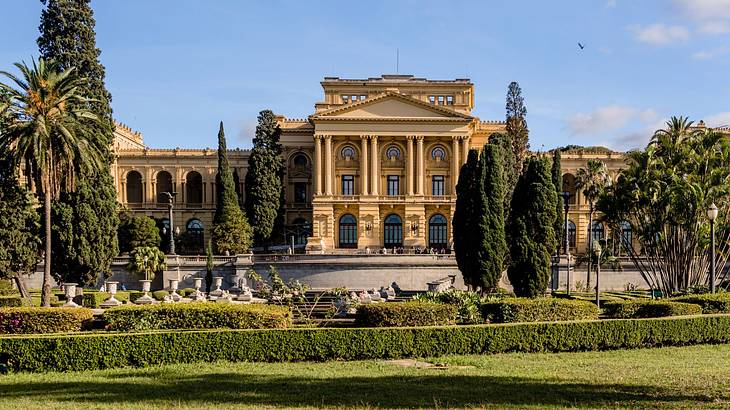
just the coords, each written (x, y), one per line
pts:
(709, 303)
(405, 314)
(11, 301)
(633, 309)
(538, 310)
(197, 315)
(108, 350)
(23, 320)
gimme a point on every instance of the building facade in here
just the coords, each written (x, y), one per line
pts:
(374, 166)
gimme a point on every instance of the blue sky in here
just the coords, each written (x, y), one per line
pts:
(177, 67)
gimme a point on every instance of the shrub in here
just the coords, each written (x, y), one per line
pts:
(43, 320)
(538, 310)
(466, 303)
(186, 292)
(134, 295)
(709, 303)
(631, 309)
(160, 294)
(201, 315)
(10, 301)
(93, 351)
(95, 299)
(405, 314)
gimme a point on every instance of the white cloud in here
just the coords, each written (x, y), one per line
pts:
(602, 120)
(718, 120)
(705, 9)
(710, 54)
(659, 34)
(714, 27)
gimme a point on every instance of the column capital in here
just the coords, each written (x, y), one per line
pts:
(410, 137)
(364, 136)
(456, 137)
(318, 136)
(419, 138)
(373, 137)
(328, 137)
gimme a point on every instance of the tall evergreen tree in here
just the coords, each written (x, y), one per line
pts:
(532, 236)
(559, 225)
(264, 178)
(466, 217)
(85, 231)
(493, 246)
(231, 231)
(517, 125)
(509, 177)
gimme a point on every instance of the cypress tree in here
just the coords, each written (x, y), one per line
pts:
(517, 125)
(465, 217)
(264, 179)
(492, 235)
(559, 225)
(231, 231)
(509, 178)
(532, 236)
(85, 221)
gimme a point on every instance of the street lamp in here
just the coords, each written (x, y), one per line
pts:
(712, 215)
(170, 199)
(597, 253)
(566, 197)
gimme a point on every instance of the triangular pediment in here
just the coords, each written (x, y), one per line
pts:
(391, 106)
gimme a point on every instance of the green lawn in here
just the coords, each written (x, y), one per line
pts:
(687, 377)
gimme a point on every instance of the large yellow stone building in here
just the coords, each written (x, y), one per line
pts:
(373, 167)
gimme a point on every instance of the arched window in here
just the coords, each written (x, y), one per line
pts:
(438, 153)
(302, 230)
(571, 234)
(437, 232)
(348, 231)
(626, 234)
(195, 242)
(194, 188)
(393, 153)
(164, 184)
(569, 186)
(393, 233)
(134, 187)
(348, 152)
(597, 231)
(300, 161)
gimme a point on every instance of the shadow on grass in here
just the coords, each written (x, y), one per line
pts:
(440, 389)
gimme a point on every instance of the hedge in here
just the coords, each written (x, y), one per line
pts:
(11, 301)
(709, 303)
(197, 315)
(628, 309)
(108, 350)
(405, 314)
(43, 320)
(538, 310)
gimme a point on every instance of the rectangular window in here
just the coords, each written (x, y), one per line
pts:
(300, 192)
(363, 97)
(437, 185)
(345, 99)
(348, 185)
(432, 99)
(441, 100)
(393, 185)
(353, 98)
(449, 100)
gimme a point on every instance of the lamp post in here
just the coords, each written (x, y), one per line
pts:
(597, 253)
(712, 215)
(566, 197)
(170, 199)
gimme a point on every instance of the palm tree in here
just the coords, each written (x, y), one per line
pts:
(47, 125)
(592, 180)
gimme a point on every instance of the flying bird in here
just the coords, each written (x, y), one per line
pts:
(581, 46)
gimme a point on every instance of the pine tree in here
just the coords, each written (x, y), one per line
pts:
(85, 233)
(493, 246)
(264, 178)
(517, 125)
(532, 237)
(559, 226)
(20, 240)
(231, 231)
(465, 217)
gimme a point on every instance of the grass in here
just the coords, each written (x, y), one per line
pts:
(677, 377)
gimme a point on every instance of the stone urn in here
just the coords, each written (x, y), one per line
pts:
(145, 299)
(197, 284)
(217, 282)
(111, 288)
(174, 296)
(70, 291)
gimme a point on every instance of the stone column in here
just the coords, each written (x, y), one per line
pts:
(420, 175)
(375, 168)
(465, 147)
(455, 163)
(328, 164)
(409, 168)
(318, 165)
(364, 164)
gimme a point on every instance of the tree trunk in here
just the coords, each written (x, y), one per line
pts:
(590, 247)
(46, 290)
(23, 290)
